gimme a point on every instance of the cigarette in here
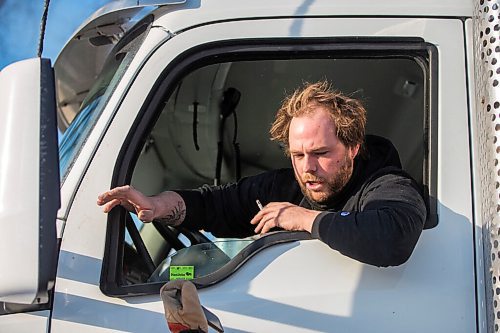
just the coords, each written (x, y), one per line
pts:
(259, 204)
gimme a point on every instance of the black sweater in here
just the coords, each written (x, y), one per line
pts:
(377, 218)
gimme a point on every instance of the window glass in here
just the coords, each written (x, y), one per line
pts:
(116, 64)
(205, 258)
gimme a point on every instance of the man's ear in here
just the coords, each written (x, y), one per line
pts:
(353, 151)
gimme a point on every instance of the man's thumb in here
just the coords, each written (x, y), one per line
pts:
(146, 215)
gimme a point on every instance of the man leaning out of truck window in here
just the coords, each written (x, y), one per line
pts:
(346, 188)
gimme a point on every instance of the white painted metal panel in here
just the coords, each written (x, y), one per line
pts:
(33, 322)
(195, 13)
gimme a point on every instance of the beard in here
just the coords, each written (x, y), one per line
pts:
(332, 184)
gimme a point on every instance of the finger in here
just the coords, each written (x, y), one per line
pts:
(258, 227)
(275, 204)
(128, 206)
(110, 205)
(122, 192)
(262, 224)
(106, 196)
(145, 215)
(268, 226)
(103, 198)
(256, 219)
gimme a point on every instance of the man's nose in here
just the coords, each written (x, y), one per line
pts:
(309, 164)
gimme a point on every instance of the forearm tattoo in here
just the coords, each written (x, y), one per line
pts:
(176, 216)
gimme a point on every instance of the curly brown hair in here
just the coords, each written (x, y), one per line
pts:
(348, 114)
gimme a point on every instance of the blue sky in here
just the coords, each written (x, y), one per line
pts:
(20, 26)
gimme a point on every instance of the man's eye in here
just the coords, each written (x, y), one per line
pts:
(320, 153)
(298, 155)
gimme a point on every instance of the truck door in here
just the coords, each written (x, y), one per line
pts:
(159, 130)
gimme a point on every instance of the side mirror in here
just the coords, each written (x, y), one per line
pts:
(29, 181)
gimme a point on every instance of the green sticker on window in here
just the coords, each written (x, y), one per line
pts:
(181, 272)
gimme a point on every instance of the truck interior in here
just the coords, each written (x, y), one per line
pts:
(181, 151)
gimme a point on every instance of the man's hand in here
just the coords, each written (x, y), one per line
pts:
(131, 199)
(284, 215)
(167, 206)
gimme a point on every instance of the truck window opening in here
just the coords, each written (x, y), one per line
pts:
(181, 151)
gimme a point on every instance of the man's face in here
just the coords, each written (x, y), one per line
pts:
(322, 164)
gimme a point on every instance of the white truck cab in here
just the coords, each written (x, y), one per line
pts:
(137, 93)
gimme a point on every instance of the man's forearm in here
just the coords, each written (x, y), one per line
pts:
(170, 208)
(384, 237)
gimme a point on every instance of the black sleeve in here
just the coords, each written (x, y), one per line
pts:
(385, 229)
(226, 210)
